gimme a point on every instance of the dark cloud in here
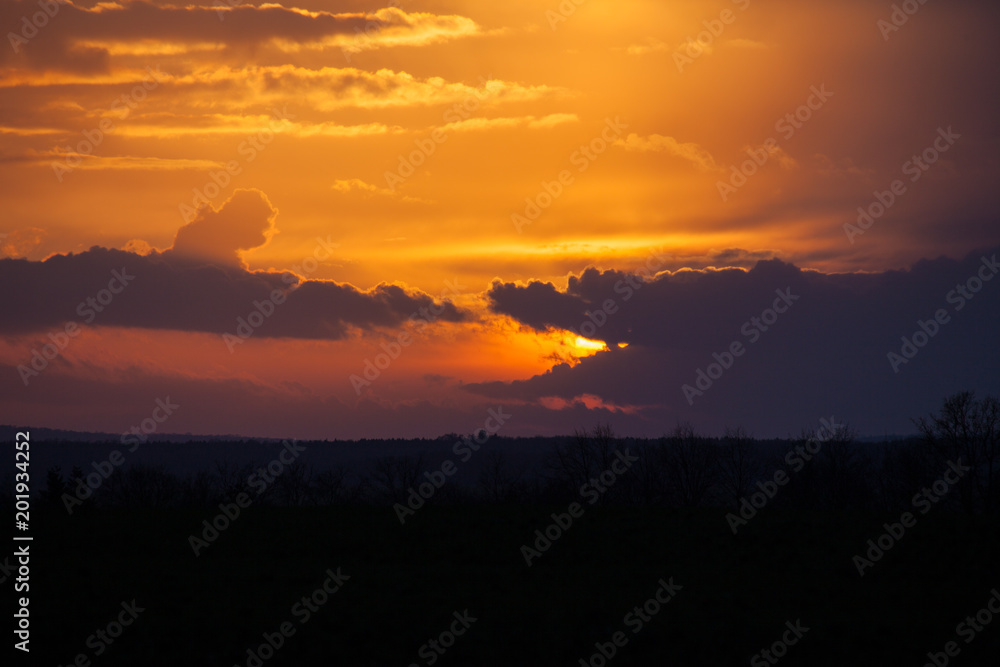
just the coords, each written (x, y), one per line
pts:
(827, 354)
(201, 285)
(552, 305)
(616, 306)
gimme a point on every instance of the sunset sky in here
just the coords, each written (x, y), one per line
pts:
(456, 185)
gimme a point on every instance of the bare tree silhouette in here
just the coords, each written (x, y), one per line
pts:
(585, 457)
(841, 470)
(738, 465)
(499, 481)
(233, 479)
(969, 428)
(392, 476)
(690, 466)
(332, 487)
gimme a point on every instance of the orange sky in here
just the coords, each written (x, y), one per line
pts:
(420, 148)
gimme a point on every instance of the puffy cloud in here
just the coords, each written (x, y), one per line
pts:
(245, 221)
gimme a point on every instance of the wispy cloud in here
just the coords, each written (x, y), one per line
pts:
(658, 143)
(356, 185)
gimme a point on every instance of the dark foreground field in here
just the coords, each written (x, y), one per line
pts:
(732, 594)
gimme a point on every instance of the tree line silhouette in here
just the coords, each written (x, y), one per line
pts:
(680, 470)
